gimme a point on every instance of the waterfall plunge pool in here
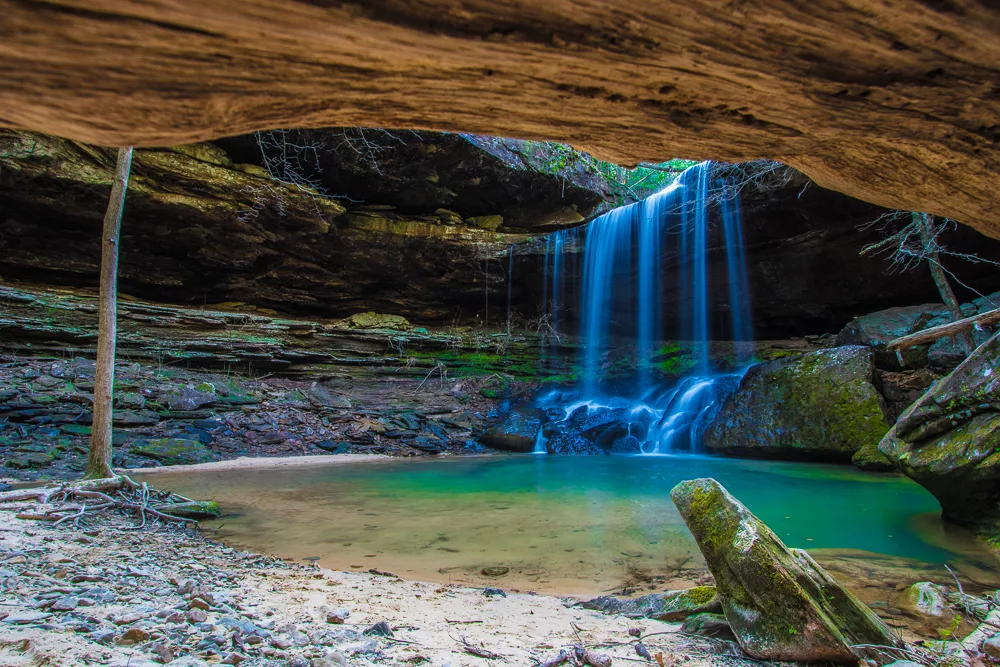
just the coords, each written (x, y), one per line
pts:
(576, 525)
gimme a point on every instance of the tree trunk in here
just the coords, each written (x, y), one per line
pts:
(924, 224)
(99, 461)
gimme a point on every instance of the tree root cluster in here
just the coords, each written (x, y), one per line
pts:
(91, 497)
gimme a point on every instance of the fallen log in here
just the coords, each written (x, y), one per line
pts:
(986, 319)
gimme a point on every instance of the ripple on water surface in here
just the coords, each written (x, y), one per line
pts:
(573, 525)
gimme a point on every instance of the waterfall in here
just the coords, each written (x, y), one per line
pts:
(510, 284)
(622, 294)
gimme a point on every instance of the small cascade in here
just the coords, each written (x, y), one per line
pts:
(623, 295)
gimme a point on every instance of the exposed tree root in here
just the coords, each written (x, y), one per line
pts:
(91, 496)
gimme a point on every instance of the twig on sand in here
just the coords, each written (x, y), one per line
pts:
(480, 651)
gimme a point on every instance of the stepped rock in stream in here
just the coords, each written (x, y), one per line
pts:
(820, 406)
(949, 441)
(780, 603)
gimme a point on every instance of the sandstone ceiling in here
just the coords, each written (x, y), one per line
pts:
(894, 102)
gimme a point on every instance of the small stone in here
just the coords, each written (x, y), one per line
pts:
(103, 636)
(17, 560)
(133, 636)
(233, 659)
(497, 571)
(162, 653)
(176, 617)
(991, 647)
(68, 603)
(298, 661)
(196, 616)
(280, 643)
(198, 603)
(493, 592)
(338, 616)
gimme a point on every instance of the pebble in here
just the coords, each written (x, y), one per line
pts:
(68, 603)
(991, 647)
(103, 636)
(196, 616)
(133, 636)
(338, 616)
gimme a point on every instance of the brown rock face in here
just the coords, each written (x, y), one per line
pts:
(895, 103)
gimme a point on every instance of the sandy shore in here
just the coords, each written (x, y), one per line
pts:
(75, 597)
(262, 462)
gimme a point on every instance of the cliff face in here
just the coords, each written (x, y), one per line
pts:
(419, 225)
(407, 229)
(893, 103)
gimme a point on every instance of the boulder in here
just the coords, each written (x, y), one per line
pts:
(820, 406)
(172, 451)
(780, 603)
(949, 440)
(877, 329)
(517, 431)
(667, 606)
(321, 397)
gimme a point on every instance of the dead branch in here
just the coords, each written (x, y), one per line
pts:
(480, 651)
(950, 329)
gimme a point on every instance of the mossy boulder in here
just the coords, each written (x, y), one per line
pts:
(949, 440)
(822, 405)
(871, 459)
(517, 430)
(780, 603)
(172, 451)
(666, 606)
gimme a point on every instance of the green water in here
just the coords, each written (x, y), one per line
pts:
(562, 524)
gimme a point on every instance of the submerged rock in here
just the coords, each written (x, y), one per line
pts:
(779, 602)
(517, 432)
(821, 405)
(949, 440)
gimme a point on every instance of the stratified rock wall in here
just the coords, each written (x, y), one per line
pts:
(894, 103)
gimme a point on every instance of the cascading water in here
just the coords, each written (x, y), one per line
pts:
(623, 293)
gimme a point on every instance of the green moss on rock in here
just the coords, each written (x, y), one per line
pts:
(821, 405)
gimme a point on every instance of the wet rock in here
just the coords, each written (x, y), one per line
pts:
(494, 571)
(517, 431)
(871, 459)
(572, 445)
(779, 602)
(948, 441)
(490, 592)
(172, 451)
(708, 625)
(820, 406)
